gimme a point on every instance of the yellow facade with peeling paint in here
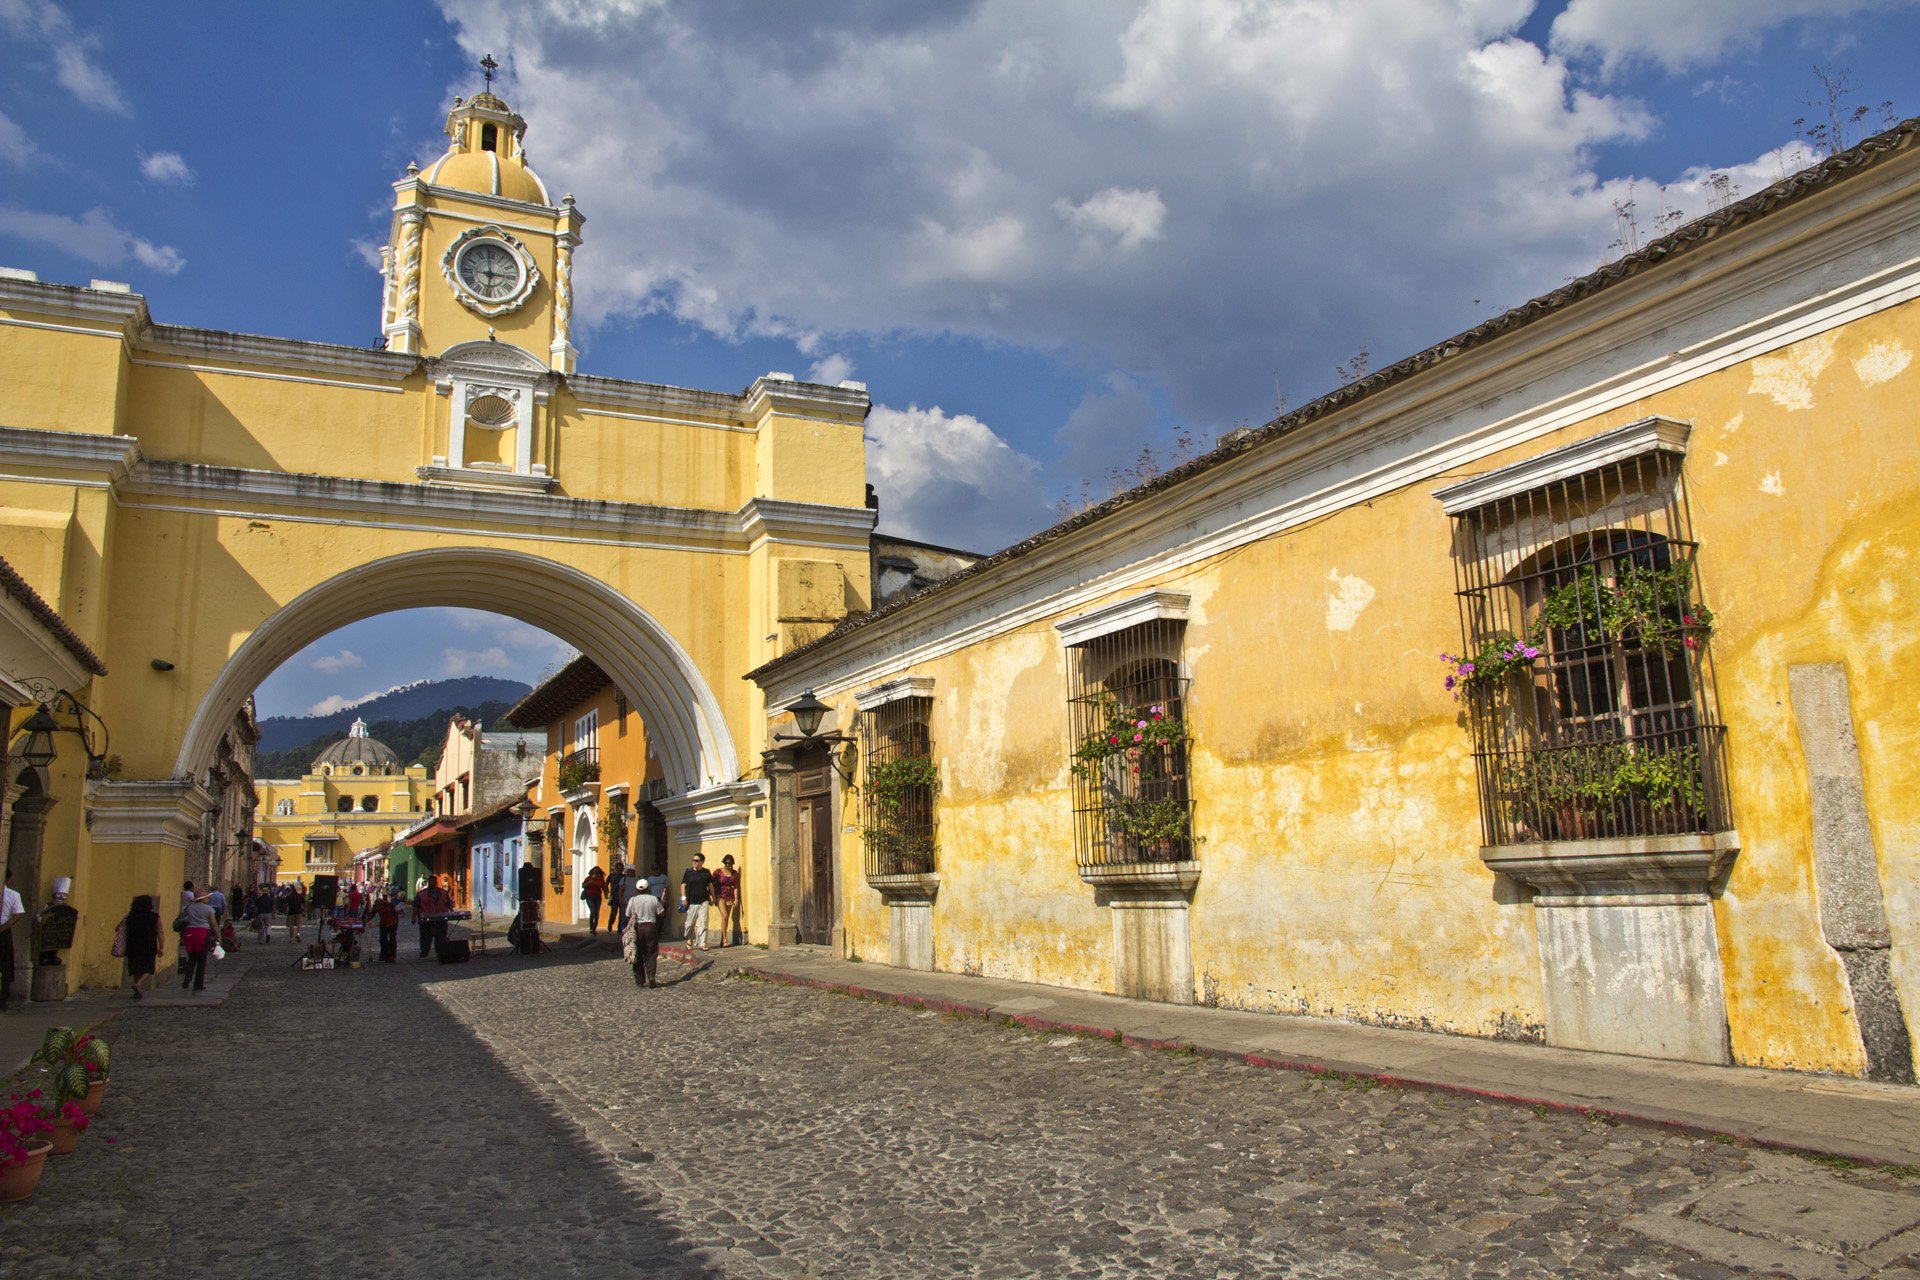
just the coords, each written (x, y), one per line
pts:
(1338, 868)
(199, 505)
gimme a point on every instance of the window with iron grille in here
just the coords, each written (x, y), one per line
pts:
(1586, 672)
(897, 788)
(1127, 704)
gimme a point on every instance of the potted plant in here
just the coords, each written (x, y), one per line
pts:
(65, 1051)
(24, 1147)
(1500, 656)
(576, 773)
(890, 832)
(1130, 755)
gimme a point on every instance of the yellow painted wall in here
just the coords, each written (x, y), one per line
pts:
(402, 799)
(1332, 773)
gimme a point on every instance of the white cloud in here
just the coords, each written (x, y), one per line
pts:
(166, 166)
(831, 371)
(93, 238)
(16, 148)
(1198, 192)
(939, 475)
(73, 51)
(334, 664)
(1125, 219)
(1678, 36)
(327, 706)
(368, 252)
(467, 662)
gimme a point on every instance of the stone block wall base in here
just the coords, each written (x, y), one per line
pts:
(1633, 974)
(783, 935)
(911, 944)
(1152, 948)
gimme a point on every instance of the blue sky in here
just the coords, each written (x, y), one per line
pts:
(1045, 235)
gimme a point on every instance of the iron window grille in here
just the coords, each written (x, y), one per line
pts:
(1127, 706)
(1590, 697)
(898, 785)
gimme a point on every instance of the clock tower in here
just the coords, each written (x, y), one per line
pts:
(479, 251)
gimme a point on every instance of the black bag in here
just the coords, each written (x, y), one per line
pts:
(180, 923)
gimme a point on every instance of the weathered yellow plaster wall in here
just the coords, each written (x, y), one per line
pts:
(1333, 776)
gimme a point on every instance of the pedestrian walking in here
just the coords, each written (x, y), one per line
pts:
(696, 888)
(142, 939)
(296, 911)
(387, 913)
(11, 911)
(431, 901)
(199, 923)
(630, 884)
(640, 939)
(726, 896)
(592, 891)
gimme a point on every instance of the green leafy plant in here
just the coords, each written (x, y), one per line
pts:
(1500, 656)
(74, 1060)
(1649, 607)
(1124, 732)
(899, 842)
(613, 826)
(1147, 823)
(1578, 792)
(576, 773)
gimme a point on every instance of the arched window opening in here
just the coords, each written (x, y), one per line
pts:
(345, 804)
(1586, 663)
(369, 804)
(1128, 710)
(489, 137)
(284, 809)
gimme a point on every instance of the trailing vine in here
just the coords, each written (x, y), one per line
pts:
(891, 832)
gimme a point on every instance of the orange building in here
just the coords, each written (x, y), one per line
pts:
(598, 784)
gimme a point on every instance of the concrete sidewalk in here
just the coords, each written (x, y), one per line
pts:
(1823, 1115)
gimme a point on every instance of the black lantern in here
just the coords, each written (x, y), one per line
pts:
(807, 713)
(39, 728)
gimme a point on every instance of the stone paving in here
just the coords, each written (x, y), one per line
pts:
(546, 1118)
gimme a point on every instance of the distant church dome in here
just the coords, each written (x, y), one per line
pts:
(485, 153)
(358, 749)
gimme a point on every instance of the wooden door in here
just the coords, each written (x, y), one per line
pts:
(819, 903)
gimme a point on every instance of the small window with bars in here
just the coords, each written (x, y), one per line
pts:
(1127, 701)
(1586, 670)
(897, 788)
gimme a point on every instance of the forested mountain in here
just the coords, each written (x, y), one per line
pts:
(412, 720)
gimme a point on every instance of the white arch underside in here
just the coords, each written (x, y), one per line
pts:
(685, 727)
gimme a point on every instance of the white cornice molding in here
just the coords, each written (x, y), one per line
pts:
(114, 457)
(778, 520)
(892, 691)
(1608, 448)
(167, 811)
(770, 396)
(1748, 292)
(277, 353)
(481, 478)
(487, 200)
(1111, 619)
(593, 390)
(712, 813)
(127, 310)
(56, 664)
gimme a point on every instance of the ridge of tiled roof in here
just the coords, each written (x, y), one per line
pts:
(1682, 240)
(16, 586)
(559, 693)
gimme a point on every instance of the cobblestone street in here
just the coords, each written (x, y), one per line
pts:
(549, 1119)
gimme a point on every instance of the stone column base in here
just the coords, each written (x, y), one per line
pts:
(1152, 928)
(1629, 955)
(909, 899)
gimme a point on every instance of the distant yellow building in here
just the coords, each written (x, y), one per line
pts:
(357, 796)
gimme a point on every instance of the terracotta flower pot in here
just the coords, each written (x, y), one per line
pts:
(91, 1103)
(64, 1137)
(18, 1181)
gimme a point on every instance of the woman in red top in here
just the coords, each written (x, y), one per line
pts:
(726, 895)
(592, 890)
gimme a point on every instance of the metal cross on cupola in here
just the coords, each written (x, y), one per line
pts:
(489, 66)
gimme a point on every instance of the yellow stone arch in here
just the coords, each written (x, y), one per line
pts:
(695, 745)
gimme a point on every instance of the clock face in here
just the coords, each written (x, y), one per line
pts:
(490, 270)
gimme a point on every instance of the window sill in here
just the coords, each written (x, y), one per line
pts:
(1691, 866)
(906, 887)
(1143, 879)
